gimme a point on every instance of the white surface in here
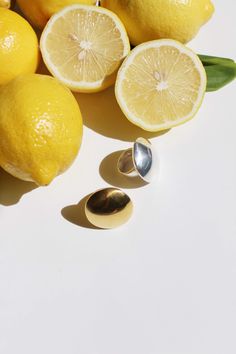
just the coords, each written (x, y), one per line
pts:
(165, 283)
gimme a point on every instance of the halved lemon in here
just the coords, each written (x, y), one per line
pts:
(161, 84)
(83, 46)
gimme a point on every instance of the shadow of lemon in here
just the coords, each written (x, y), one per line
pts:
(12, 189)
(102, 114)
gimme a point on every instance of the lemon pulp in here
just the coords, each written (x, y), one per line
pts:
(160, 85)
(83, 46)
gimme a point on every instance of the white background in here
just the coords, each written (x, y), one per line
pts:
(165, 283)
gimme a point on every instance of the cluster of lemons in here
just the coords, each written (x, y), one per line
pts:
(160, 84)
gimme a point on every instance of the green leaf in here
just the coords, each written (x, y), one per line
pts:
(220, 71)
(210, 60)
(219, 75)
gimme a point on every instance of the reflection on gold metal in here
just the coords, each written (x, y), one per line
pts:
(141, 160)
(108, 208)
(5, 3)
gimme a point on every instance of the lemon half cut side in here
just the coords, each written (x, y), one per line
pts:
(83, 46)
(161, 84)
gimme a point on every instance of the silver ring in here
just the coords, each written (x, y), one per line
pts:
(140, 160)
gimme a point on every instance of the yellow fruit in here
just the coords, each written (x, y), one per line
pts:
(5, 3)
(40, 128)
(83, 47)
(19, 52)
(161, 84)
(147, 20)
(39, 11)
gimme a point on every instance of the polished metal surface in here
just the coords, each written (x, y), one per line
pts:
(141, 160)
(125, 163)
(108, 208)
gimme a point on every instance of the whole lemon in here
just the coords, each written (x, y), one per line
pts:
(39, 11)
(40, 128)
(147, 20)
(19, 51)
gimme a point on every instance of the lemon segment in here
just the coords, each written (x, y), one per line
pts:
(83, 46)
(161, 84)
